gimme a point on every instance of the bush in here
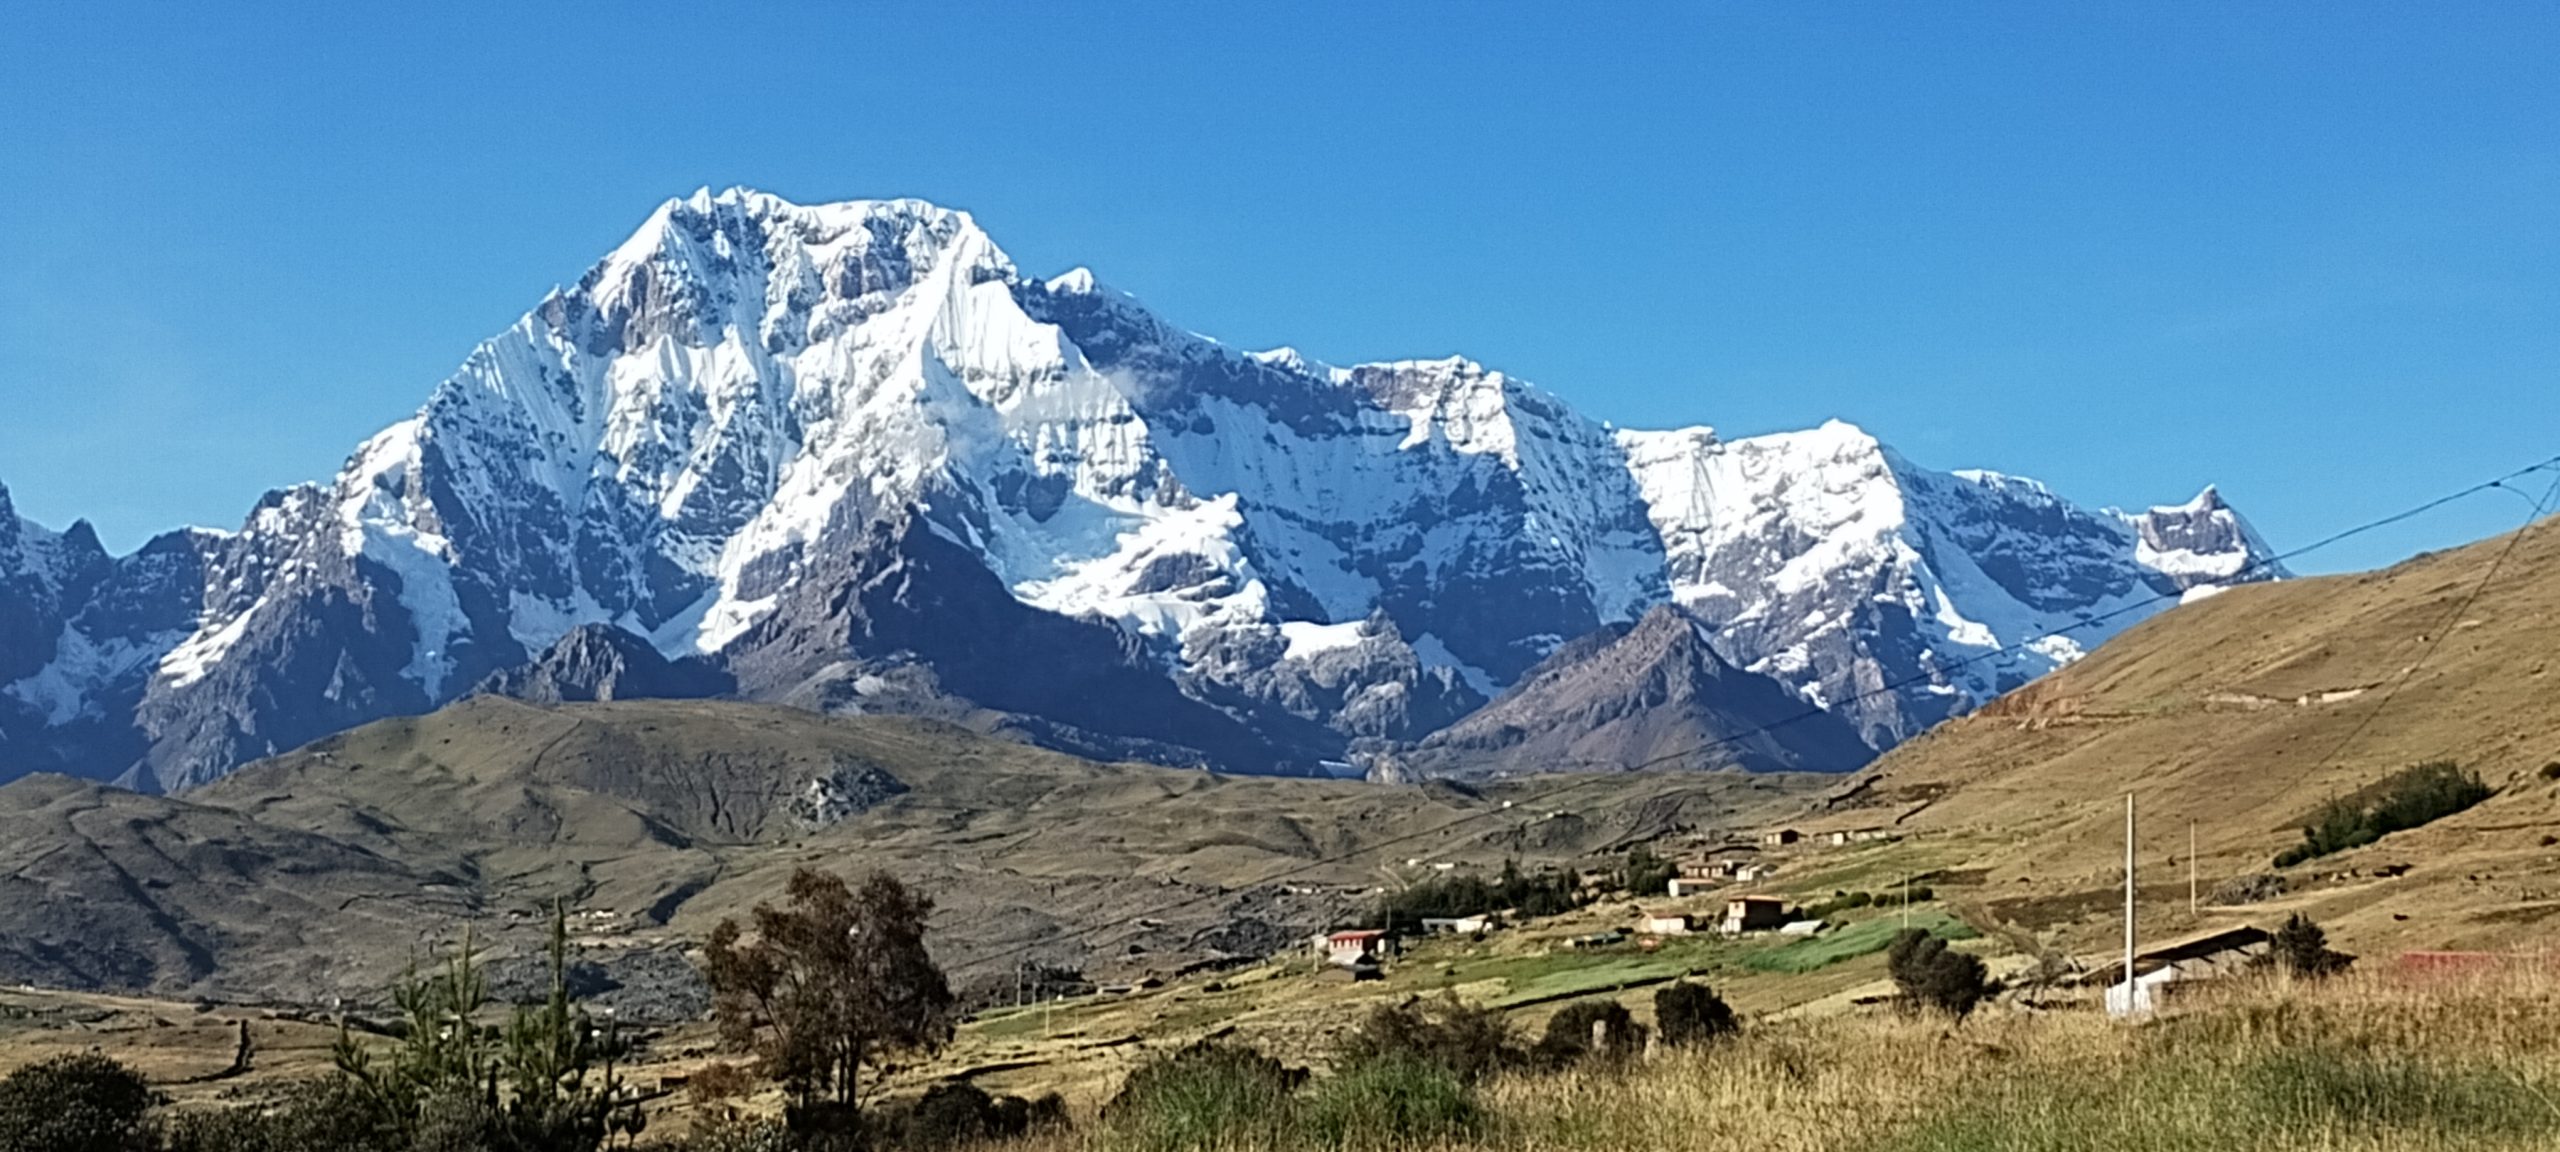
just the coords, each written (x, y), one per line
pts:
(1689, 1014)
(1396, 1101)
(1932, 975)
(2252, 889)
(324, 1116)
(960, 1113)
(1852, 901)
(2302, 947)
(1468, 1043)
(2407, 799)
(735, 1134)
(83, 1103)
(1209, 1095)
(1569, 1034)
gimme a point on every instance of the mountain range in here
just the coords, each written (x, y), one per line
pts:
(847, 456)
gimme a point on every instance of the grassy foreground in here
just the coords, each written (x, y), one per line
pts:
(2351, 1064)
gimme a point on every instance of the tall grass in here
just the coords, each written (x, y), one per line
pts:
(2354, 1064)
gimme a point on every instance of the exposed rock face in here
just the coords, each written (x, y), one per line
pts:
(835, 797)
(601, 662)
(798, 441)
(1653, 695)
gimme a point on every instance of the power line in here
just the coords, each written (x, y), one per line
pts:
(2435, 641)
(1543, 802)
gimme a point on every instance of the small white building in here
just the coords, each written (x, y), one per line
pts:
(2209, 956)
(1674, 925)
(1455, 925)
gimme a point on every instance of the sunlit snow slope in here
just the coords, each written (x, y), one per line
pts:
(821, 443)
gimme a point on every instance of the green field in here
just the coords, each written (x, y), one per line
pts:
(1862, 939)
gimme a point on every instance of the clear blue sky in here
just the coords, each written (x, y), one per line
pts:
(2311, 253)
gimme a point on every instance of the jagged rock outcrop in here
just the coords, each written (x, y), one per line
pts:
(1652, 695)
(601, 662)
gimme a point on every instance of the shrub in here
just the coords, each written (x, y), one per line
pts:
(2551, 771)
(1932, 975)
(1468, 1043)
(1690, 1014)
(83, 1103)
(2407, 799)
(2302, 947)
(323, 1116)
(1209, 1095)
(735, 1134)
(2251, 889)
(719, 1081)
(1852, 901)
(1396, 1101)
(960, 1113)
(1568, 1039)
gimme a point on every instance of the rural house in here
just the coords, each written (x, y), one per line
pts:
(2211, 956)
(1753, 914)
(1353, 947)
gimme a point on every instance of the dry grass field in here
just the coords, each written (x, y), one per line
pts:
(2358, 1064)
(2239, 715)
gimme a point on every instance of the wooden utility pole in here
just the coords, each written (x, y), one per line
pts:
(2191, 869)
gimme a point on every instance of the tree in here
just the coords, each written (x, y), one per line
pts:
(560, 1065)
(1646, 874)
(81, 1103)
(838, 982)
(545, 1082)
(1932, 975)
(1690, 1014)
(2302, 947)
(1571, 1033)
(446, 1063)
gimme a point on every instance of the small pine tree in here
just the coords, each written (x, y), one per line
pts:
(445, 1061)
(1689, 1014)
(546, 1081)
(2302, 947)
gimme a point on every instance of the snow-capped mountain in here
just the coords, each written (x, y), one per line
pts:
(1897, 596)
(818, 444)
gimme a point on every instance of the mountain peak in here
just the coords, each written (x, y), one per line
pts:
(754, 413)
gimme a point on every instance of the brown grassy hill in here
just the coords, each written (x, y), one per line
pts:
(326, 870)
(2244, 712)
